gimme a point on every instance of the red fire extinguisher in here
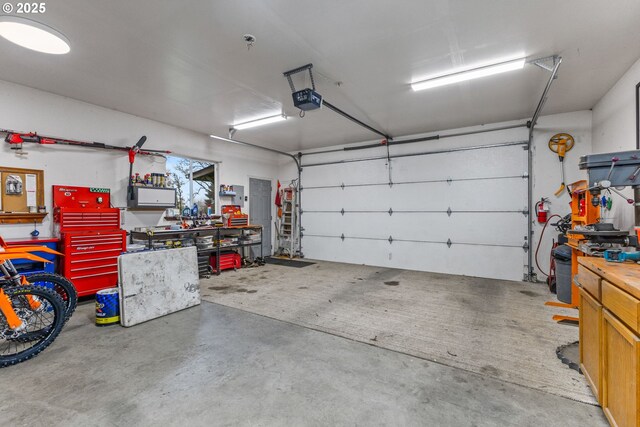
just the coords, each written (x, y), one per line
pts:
(542, 209)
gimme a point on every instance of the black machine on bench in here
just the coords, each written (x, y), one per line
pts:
(612, 172)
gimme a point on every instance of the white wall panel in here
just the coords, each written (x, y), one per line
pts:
(49, 114)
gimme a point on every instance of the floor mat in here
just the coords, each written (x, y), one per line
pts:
(288, 262)
(499, 329)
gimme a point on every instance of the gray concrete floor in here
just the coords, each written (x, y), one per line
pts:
(496, 328)
(214, 365)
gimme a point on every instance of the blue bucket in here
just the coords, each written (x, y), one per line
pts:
(107, 307)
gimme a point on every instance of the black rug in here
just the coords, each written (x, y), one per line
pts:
(288, 262)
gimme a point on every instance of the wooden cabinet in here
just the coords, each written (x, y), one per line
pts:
(620, 382)
(590, 281)
(590, 342)
(623, 305)
(610, 336)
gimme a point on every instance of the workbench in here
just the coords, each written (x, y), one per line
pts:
(610, 336)
(204, 254)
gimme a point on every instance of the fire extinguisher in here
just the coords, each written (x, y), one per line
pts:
(542, 209)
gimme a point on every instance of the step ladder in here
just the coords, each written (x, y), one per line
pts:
(287, 224)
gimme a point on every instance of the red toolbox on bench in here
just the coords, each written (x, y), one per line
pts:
(228, 261)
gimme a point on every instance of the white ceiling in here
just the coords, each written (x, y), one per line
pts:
(185, 62)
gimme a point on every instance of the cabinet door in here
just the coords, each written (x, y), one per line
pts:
(590, 342)
(621, 353)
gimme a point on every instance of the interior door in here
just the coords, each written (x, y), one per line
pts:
(260, 211)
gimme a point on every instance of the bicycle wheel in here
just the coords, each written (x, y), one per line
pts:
(42, 324)
(61, 285)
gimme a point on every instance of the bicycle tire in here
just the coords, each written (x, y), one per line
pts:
(53, 304)
(61, 285)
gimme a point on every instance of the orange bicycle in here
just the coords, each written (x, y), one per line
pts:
(31, 316)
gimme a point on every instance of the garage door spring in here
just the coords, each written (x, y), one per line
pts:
(391, 240)
(426, 181)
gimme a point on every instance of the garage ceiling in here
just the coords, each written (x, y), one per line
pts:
(186, 64)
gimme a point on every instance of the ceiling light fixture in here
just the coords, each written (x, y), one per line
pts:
(33, 35)
(474, 73)
(259, 122)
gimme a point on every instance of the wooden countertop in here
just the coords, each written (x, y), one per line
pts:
(625, 275)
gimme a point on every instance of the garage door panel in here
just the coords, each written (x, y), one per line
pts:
(491, 262)
(348, 173)
(463, 195)
(486, 225)
(471, 228)
(323, 199)
(480, 163)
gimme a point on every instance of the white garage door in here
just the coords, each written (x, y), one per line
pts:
(460, 212)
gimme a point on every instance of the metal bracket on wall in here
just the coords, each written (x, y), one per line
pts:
(525, 212)
(547, 63)
(390, 211)
(342, 212)
(449, 211)
(525, 246)
(449, 180)
(342, 237)
(390, 240)
(342, 185)
(449, 243)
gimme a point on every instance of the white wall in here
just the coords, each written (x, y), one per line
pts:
(546, 171)
(546, 174)
(31, 110)
(614, 129)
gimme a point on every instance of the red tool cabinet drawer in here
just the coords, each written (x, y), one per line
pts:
(228, 261)
(91, 260)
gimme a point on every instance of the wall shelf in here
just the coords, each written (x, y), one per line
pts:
(22, 218)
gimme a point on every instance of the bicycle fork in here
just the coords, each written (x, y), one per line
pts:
(9, 313)
(13, 320)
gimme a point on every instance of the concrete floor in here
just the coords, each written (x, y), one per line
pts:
(214, 365)
(496, 328)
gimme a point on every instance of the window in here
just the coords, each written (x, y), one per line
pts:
(194, 181)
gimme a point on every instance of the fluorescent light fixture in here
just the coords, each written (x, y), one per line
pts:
(33, 35)
(474, 73)
(260, 122)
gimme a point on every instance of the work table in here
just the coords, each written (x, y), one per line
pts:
(204, 253)
(625, 275)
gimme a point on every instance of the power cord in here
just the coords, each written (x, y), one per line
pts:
(540, 241)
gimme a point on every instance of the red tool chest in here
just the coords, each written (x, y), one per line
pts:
(233, 217)
(228, 260)
(90, 235)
